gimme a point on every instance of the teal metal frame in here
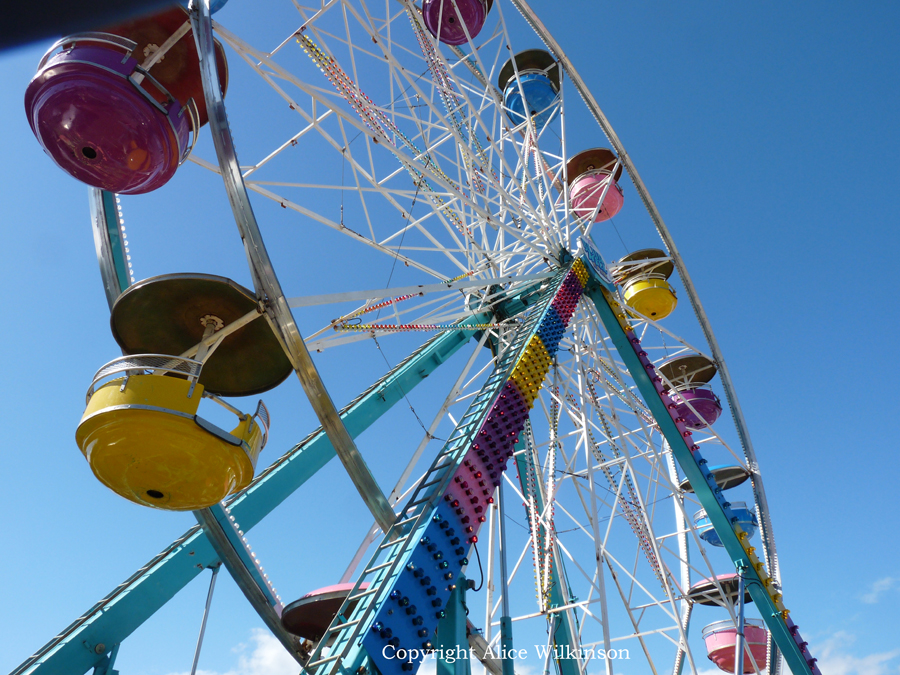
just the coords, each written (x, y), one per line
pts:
(116, 240)
(451, 641)
(628, 346)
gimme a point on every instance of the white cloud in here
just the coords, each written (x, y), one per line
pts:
(879, 588)
(835, 659)
(266, 657)
(428, 667)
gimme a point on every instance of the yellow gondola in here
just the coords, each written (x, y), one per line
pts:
(644, 278)
(653, 298)
(143, 438)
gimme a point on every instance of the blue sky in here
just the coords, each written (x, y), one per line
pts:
(767, 136)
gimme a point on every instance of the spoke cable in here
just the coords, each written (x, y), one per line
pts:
(375, 339)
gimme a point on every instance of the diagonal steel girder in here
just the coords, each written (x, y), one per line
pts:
(115, 617)
(782, 629)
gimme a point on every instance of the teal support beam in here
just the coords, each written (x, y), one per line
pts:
(109, 243)
(115, 617)
(116, 240)
(506, 646)
(360, 633)
(105, 667)
(506, 634)
(695, 469)
(451, 642)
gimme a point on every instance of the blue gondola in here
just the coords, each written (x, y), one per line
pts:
(746, 519)
(538, 82)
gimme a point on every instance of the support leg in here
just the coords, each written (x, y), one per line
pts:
(739, 641)
(451, 641)
(209, 595)
(506, 641)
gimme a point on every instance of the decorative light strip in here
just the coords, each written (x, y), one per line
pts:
(338, 323)
(408, 327)
(380, 123)
(452, 102)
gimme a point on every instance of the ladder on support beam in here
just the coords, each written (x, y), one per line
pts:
(400, 553)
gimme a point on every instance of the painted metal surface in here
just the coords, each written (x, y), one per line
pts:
(739, 642)
(167, 51)
(736, 542)
(746, 518)
(723, 640)
(653, 298)
(596, 192)
(170, 314)
(531, 96)
(700, 408)
(142, 440)
(718, 592)
(310, 616)
(590, 254)
(99, 126)
(450, 21)
(450, 640)
(110, 244)
(530, 84)
(684, 557)
(506, 635)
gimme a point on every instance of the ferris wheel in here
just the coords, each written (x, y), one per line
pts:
(577, 459)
